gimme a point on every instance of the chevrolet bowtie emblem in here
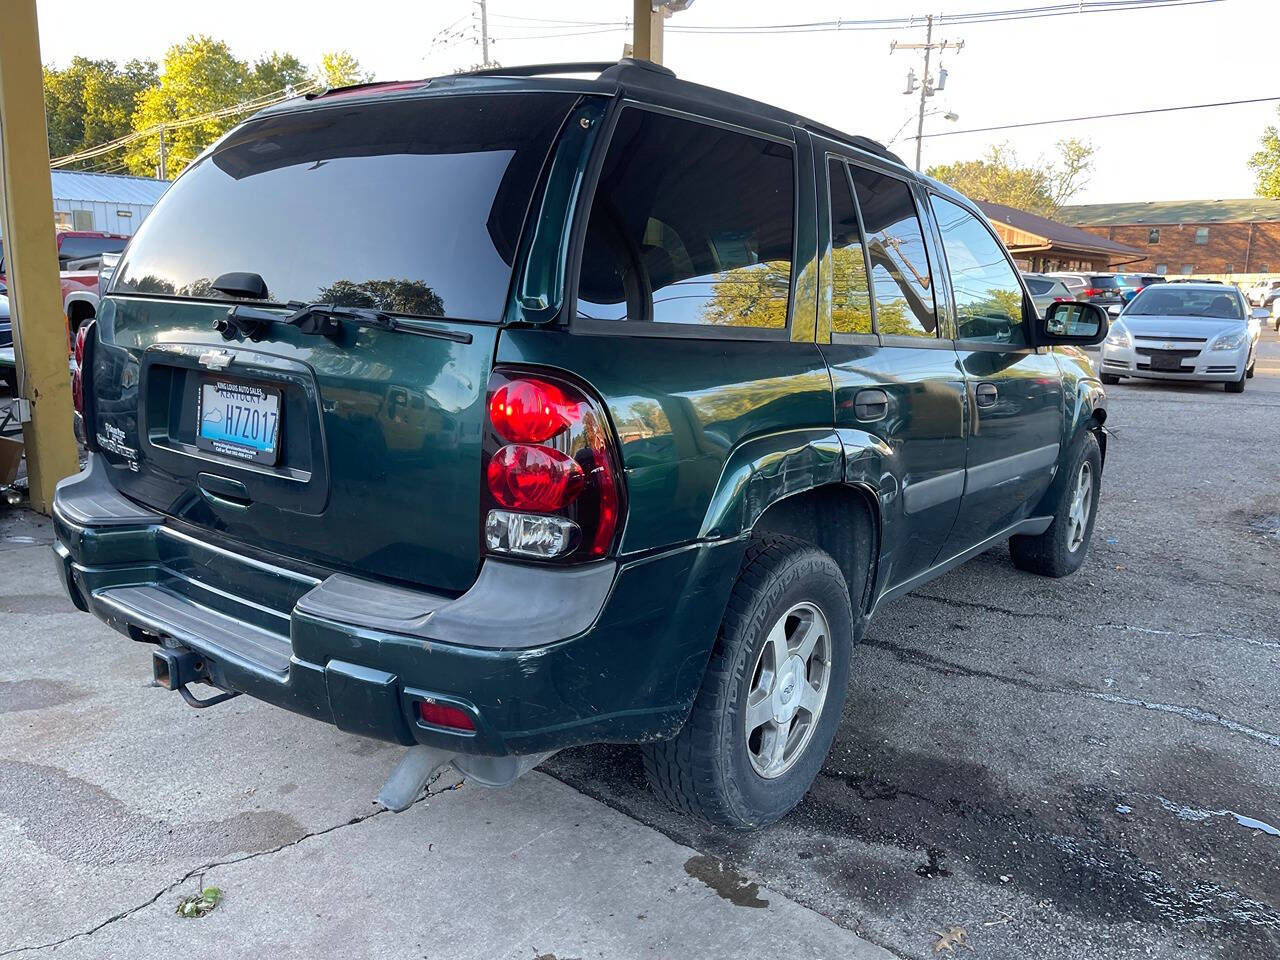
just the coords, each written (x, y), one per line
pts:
(216, 359)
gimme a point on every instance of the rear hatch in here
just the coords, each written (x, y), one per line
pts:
(356, 448)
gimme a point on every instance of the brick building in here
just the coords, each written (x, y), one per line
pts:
(1194, 236)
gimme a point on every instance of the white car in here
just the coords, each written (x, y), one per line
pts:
(1195, 332)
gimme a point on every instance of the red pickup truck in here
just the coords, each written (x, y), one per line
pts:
(79, 286)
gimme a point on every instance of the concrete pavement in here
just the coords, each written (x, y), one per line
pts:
(116, 800)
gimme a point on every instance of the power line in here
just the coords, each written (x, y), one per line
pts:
(916, 21)
(1103, 116)
(255, 103)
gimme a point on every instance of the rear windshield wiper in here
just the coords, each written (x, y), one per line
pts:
(321, 319)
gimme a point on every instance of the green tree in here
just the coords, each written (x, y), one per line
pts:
(202, 76)
(1265, 164)
(89, 102)
(1041, 187)
(751, 296)
(339, 68)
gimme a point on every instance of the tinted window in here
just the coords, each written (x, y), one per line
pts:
(850, 292)
(412, 206)
(1105, 281)
(80, 248)
(1038, 287)
(899, 265)
(690, 224)
(988, 296)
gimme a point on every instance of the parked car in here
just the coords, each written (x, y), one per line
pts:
(79, 253)
(1263, 293)
(1131, 283)
(1046, 290)
(1196, 332)
(1275, 314)
(564, 431)
(1100, 288)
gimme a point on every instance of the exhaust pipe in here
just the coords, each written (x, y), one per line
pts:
(421, 763)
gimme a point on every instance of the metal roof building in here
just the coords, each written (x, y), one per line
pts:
(103, 201)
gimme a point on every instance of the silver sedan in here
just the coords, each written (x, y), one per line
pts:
(1186, 331)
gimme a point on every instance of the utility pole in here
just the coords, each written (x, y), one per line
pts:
(162, 169)
(926, 82)
(44, 398)
(484, 33)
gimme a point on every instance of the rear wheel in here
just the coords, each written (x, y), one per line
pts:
(772, 696)
(1110, 379)
(1060, 550)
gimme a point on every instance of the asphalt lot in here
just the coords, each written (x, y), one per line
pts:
(1076, 768)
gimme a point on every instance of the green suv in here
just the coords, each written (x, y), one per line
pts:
(503, 412)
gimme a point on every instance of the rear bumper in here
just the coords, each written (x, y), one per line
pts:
(540, 658)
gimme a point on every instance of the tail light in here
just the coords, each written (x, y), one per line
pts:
(1092, 292)
(1061, 299)
(553, 486)
(77, 371)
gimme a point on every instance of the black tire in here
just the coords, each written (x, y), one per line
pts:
(1051, 554)
(1110, 379)
(707, 770)
(1236, 386)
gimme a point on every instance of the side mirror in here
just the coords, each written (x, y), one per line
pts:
(1259, 313)
(1073, 321)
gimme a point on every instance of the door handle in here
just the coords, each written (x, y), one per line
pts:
(869, 405)
(986, 394)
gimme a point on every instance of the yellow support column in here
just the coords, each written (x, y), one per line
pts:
(30, 253)
(647, 43)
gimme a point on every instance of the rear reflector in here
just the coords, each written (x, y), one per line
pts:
(440, 715)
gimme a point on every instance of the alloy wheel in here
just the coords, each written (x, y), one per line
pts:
(788, 689)
(1081, 502)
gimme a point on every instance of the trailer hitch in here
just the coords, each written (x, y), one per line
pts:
(175, 667)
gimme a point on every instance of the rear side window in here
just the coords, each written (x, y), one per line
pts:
(900, 275)
(850, 292)
(988, 296)
(81, 248)
(412, 206)
(1039, 287)
(691, 224)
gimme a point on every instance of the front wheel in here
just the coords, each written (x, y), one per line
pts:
(772, 696)
(1060, 550)
(1236, 386)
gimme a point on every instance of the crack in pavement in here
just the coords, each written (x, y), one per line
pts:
(1032, 615)
(1195, 714)
(202, 869)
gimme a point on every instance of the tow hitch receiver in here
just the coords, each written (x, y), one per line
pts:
(175, 667)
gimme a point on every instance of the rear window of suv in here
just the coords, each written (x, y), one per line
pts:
(1107, 282)
(412, 206)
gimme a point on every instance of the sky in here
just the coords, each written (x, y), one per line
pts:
(1006, 73)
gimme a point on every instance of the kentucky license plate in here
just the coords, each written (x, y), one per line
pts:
(240, 420)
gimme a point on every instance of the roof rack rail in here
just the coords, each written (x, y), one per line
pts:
(541, 69)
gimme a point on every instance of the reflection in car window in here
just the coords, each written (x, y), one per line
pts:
(691, 223)
(850, 292)
(1168, 300)
(899, 265)
(987, 292)
(412, 206)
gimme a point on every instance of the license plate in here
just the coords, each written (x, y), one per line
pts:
(239, 420)
(1166, 363)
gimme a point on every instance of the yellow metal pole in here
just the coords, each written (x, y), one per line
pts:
(30, 253)
(647, 44)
